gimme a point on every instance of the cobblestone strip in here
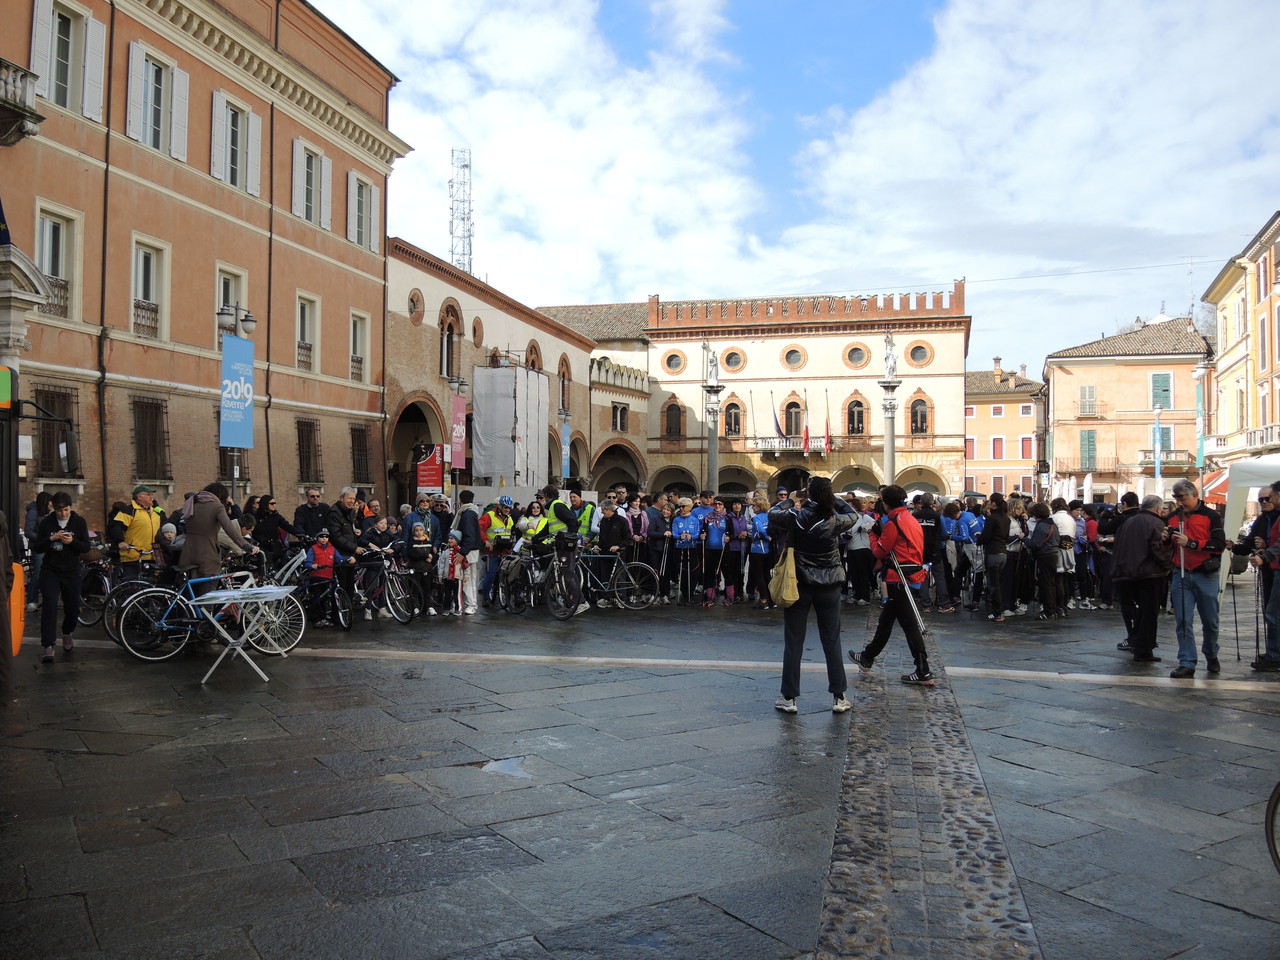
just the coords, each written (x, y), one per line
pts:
(918, 867)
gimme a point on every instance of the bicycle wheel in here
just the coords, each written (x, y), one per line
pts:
(280, 628)
(417, 596)
(561, 595)
(114, 604)
(340, 606)
(396, 594)
(1272, 825)
(636, 585)
(93, 595)
(155, 624)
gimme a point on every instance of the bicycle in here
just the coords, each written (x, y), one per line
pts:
(1271, 824)
(158, 622)
(388, 588)
(323, 598)
(633, 584)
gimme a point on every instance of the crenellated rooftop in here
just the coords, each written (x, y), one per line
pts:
(878, 307)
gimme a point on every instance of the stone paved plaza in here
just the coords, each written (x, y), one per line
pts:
(620, 787)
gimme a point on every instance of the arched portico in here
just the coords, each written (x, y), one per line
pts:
(618, 462)
(418, 421)
(736, 480)
(921, 479)
(857, 479)
(674, 480)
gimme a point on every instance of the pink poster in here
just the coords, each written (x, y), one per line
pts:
(458, 438)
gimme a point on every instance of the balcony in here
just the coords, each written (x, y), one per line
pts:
(1083, 466)
(56, 305)
(146, 319)
(781, 445)
(18, 117)
(1264, 438)
(1169, 459)
(357, 368)
(304, 355)
(1092, 409)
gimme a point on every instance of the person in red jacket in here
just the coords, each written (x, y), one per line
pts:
(1197, 541)
(902, 538)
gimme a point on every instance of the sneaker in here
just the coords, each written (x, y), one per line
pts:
(1124, 646)
(785, 705)
(841, 705)
(47, 657)
(582, 608)
(1213, 665)
(949, 608)
(863, 603)
(850, 601)
(924, 679)
(1183, 673)
(863, 661)
(604, 604)
(664, 601)
(368, 614)
(1145, 658)
(432, 612)
(1044, 616)
(469, 611)
(31, 608)
(1087, 605)
(1020, 610)
(1011, 613)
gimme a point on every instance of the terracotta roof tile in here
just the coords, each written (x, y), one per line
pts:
(979, 382)
(1155, 339)
(603, 321)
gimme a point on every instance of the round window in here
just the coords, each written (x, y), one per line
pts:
(919, 354)
(674, 362)
(733, 360)
(793, 358)
(857, 356)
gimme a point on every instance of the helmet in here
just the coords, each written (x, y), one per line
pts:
(505, 501)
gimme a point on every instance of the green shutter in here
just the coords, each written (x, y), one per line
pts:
(1088, 449)
(1162, 391)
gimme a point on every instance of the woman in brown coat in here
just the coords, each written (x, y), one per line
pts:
(204, 513)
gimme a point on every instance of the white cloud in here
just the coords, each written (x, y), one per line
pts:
(1037, 137)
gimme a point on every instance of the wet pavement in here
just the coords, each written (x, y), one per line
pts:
(620, 786)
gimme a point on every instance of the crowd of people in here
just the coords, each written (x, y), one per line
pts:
(1002, 557)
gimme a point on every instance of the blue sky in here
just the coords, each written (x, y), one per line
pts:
(1080, 163)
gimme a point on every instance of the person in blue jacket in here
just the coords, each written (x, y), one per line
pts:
(715, 527)
(686, 536)
(760, 562)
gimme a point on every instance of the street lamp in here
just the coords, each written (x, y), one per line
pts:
(235, 411)
(1159, 452)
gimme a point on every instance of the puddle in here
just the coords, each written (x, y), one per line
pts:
(511, 767)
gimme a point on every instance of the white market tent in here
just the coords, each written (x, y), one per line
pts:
(1243, 476)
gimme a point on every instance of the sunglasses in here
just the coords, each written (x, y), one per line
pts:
(271, 504)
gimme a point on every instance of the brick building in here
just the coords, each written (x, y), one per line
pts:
(194, 155)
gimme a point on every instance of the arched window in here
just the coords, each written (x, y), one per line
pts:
(857, 418)
(732, 420)
(919, 417)
(566, 376)
(792, 416)
(450, 333)
(671, 422)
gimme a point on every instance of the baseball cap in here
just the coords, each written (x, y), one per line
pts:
(143, 488)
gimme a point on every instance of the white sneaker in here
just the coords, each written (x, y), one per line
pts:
(1011, 613)
(664, 601)
(1020, 610)
(469, 611)
(431, 612)
(582, 608)
(31, 607)
(1087, 605)
(368, 614)
(604, 604)
(787, 706)
(842, 705)
(1071, 604)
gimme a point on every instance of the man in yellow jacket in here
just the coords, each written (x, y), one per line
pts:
(135, 529)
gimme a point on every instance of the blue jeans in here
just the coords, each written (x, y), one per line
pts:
(1190, 593)
(1272, 617)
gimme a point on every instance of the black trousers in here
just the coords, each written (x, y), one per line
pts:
(55, 584)
(898, 610)
(825, 602)
(1140, 601)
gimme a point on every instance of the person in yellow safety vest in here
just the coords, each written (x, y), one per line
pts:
(496, 531)
(135, 529)
(562, 519)
(584, 512)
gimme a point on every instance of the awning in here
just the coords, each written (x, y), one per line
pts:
(1213, 486)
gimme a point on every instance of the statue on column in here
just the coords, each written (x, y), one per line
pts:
(713, 369)
(890, 358)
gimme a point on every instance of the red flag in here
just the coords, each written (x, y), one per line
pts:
(804, 436)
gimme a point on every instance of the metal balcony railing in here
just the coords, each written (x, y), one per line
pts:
(146, 319)
(304, 355)
(57, 305)
(357, 368)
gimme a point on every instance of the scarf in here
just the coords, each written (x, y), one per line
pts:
(204, 496)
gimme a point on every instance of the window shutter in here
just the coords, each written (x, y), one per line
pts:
(253, 178)
(137, 65)
(375, 219)
(353, 207)
(218, 137)
(1162, 390)
(299, 179)
(41, 45)
(95, 51)
(326, 193)
(178, 115)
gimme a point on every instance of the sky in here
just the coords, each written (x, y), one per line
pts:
(1079, 163)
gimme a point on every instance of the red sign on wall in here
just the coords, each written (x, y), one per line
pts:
(431, 470)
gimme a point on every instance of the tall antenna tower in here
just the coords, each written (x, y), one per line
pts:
(460, 210)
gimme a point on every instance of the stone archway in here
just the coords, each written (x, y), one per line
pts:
(674, 480)
(856, 478)
(921, 479)
(736, 480)
(617, 463)
(419, 421)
